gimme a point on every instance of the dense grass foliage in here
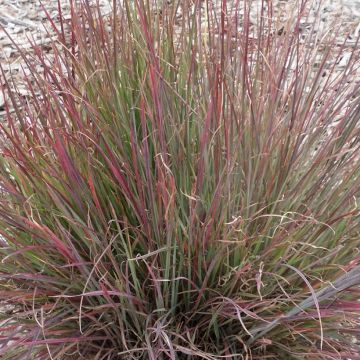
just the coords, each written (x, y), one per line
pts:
(182, 187)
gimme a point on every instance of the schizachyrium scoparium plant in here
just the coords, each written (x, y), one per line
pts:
(183, 184)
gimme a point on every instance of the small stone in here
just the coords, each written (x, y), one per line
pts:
(7, 51)
(2, 101)
(344, 60)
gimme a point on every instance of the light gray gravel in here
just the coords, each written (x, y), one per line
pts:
(23, 19)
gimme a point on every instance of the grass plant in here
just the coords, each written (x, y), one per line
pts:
(182, 187)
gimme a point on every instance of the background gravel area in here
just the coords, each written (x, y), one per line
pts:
(24, 19)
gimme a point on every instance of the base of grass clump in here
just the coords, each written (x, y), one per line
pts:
(184, 188)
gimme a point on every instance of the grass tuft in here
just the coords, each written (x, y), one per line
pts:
(184, 184)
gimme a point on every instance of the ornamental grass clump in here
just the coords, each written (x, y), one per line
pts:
(183, 184)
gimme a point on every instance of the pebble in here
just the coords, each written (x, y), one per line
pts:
(2, 101)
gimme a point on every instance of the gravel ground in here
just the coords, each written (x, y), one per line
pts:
(23, 19)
